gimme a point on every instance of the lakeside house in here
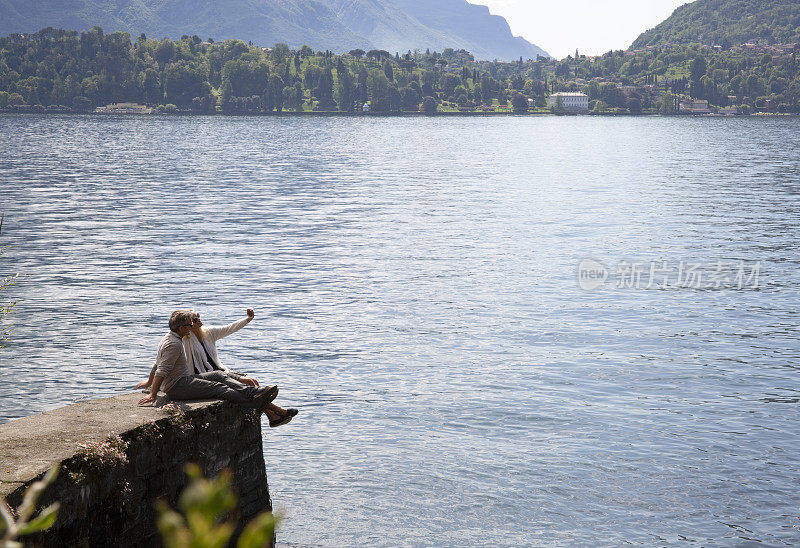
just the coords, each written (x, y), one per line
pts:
(694, 106)
(573, 102)
(124, 108)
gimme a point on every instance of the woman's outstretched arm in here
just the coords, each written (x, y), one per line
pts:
(216, 333)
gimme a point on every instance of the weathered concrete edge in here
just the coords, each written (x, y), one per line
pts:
(116, 499)
(31, 445)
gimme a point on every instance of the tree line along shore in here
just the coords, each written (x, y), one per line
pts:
(56, 70)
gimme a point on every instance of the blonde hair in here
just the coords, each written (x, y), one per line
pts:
(203, 334)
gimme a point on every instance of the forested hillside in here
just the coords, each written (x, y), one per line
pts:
(727, 23)
(84, 70)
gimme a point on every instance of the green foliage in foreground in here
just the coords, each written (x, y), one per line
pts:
(25, 523)
(202, 524)
(82, 71)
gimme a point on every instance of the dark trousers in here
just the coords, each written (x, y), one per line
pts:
(213, 385)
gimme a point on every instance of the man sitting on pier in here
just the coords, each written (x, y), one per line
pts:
(172, 374)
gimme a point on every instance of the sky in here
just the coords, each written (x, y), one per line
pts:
(592, 26)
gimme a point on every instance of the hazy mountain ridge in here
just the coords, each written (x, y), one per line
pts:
(384, 24)
(464, 20)
(727, 23)
(339, 25)
(295, 21)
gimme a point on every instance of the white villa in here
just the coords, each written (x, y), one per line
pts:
(694, 106)
(574, 103)
(124, 108)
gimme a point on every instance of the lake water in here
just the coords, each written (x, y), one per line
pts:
(417, 297)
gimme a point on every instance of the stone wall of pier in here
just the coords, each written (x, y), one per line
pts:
(114, 503)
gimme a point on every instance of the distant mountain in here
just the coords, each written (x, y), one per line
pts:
(727, 23)
(473, 23)
(265, 22)
(401, 25)
(338, 25)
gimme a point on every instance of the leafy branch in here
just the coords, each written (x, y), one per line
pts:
(12, 528)
(205, 504)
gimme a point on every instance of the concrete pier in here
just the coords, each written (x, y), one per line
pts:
(114, 504)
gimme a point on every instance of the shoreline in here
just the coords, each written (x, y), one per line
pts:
(329, 114)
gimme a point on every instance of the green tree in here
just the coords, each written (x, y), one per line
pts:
(276, 87)
(698, 68)
(558, 108)
(324, 89)
(291, 100)
(519, 103)
(667, 105)
(15, 99)
(377, 86)
(612, 95)
(311, 76)
(599, 106)
(488, 88)
(449, 84)
(184, 81)
(344, 94)
(204, 105)
(248, 75)
(429, 105)
(394, 98)
(563, 70)
(165, 52)
(58, 93)
(280, 52)
(592, 89)
(388, 70)
(409, 99)
(225, 92)
(362, 94)
(150, 87)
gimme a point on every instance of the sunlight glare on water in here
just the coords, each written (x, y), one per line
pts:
(416, 296)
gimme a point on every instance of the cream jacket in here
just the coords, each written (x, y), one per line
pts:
(194, 349)
(171, 363)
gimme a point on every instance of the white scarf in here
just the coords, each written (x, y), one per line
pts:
(198, 355)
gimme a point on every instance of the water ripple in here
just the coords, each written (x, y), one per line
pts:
(414, 282)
